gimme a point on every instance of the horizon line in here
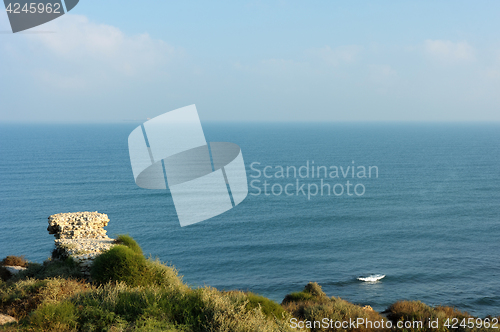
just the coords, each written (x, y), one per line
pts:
(126, 121)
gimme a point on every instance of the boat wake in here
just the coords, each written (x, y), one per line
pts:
(372, 277)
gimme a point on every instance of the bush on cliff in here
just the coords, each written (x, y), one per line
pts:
(312, 304)
(125, 262)
(120, 263)
(59, 316)
(14, 261)
(418, 311)
(128, 241)
(269, 308)
(159, 274)
(11, 261)
(312, 292)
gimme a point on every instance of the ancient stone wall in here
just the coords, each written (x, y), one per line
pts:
(80, 235)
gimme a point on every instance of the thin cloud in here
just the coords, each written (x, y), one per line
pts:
(81, 53)
(337, 56)
(447, 51)
(382, 75)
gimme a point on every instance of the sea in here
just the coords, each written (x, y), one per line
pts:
(422, 207)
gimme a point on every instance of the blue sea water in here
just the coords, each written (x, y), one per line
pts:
(430, 221)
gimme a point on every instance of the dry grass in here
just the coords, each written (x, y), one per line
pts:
(58, 304)
(20, 298)
(228, 313)
(160, 301)
(418, 311)
(312, 304)
(119, 307)
(14, 261)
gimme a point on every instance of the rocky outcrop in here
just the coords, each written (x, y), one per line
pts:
(5, 319)
(14, 269)
(80, 235)
(78, 225)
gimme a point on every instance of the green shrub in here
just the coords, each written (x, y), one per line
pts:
(128, 241)
(270, 308)
(297, 297)
(54, 317)
(99, 318)
(151, 324)
(159, 274)
(123, 263)
(120, 263)
(312, 291)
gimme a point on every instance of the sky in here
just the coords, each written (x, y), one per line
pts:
(259, 61)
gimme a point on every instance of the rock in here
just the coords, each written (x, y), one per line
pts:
(14, 269)
(5, 319)
(81, 236)
(88, 225)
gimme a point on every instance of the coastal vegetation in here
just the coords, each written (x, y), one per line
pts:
(129, 292)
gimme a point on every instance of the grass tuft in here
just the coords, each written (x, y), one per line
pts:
(269, 308)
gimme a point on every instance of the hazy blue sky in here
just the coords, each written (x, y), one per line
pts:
(256, 61)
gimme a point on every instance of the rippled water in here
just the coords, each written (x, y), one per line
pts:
(429, 222)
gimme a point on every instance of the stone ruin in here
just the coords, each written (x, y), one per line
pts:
(81, 236)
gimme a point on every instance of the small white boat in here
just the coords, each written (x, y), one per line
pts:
(372, 277)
